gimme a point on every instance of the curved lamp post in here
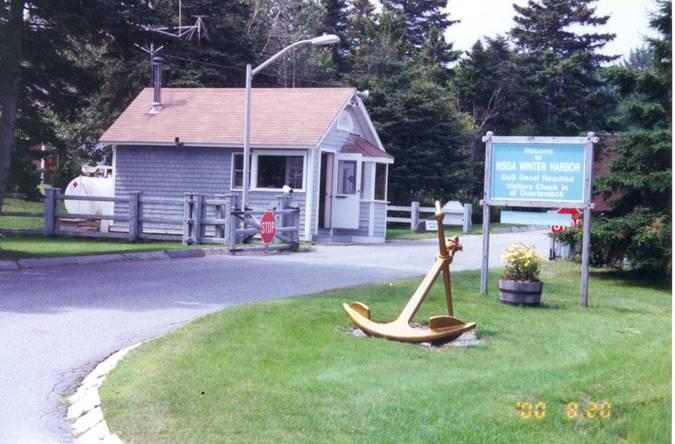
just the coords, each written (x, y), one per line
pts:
(323, 40)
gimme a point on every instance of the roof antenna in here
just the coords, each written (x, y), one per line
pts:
(197, 30)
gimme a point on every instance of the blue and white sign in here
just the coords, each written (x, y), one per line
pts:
(536, 218)
(531, 172)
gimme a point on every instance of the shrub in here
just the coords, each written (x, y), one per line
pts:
(641, 237)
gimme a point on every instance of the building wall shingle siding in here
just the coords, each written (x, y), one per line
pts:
(171, 172)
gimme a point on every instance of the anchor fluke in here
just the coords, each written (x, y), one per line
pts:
(443, 322)
(360, 308)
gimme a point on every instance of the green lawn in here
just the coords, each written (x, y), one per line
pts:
(26, 246)
(289, 371)
(32, 223)
(16, 246)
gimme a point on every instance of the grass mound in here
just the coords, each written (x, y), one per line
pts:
(288, 371)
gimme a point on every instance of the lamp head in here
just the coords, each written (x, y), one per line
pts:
(326, 39)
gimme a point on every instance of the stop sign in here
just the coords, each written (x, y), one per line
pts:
(575, 219)
(268, 227)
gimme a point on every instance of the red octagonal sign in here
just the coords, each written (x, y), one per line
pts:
(268, 227)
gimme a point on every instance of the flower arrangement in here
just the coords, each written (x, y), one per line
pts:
(522, 263)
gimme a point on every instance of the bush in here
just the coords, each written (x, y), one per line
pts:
(642, 237)
(24, 178)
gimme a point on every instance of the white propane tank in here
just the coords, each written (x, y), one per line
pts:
(91, 186)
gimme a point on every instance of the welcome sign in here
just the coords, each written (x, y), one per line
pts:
(538, 172)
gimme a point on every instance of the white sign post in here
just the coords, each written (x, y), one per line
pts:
(539, 172)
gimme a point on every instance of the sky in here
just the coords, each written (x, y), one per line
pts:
(628, 20)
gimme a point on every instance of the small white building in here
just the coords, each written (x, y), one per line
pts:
(319, 141)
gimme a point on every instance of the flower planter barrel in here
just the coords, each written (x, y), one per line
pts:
(519, 292)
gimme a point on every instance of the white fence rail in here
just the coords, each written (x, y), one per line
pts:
(455, 214)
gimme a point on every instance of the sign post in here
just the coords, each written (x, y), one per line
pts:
(268, 227)
(538, 172)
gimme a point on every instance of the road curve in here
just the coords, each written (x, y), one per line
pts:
(56, 323)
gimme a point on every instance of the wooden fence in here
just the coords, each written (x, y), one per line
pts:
(204, 220)
(245, 224)
(457, 214)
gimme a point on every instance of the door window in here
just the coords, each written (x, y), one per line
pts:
(347, 177)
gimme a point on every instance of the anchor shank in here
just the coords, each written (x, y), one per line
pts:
(418, 297)
(442, 247)
(448, 288)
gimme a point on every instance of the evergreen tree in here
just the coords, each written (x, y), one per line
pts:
(561, 67)
(639, 58)
(360, 17)
(336, 21)
(421, 17)
(488, 87)
(42, 42)
(639, 226)
(416, 117)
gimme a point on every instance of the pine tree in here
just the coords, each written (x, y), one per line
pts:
(639, 225)
(561, 67)
(488, 87)
(416, 118)
(421, 17)
(360, 17)
(336, 21)
(42, 42)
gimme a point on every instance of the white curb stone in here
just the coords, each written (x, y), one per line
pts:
(89, 425)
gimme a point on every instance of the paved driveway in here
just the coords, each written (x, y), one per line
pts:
(56, 323)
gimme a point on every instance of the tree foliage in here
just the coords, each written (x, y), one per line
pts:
(639, 224)
(561, 67)
(416, 117)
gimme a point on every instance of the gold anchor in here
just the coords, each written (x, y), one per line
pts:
(440, 327)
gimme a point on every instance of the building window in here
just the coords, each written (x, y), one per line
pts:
(276, 171)
(238, 170)
(380, 181)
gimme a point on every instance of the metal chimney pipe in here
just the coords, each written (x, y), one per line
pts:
(157, 63)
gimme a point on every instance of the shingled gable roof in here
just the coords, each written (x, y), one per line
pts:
(281, 117)
(359, 145)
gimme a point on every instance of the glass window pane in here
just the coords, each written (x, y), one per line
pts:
(271, 171)
(347, 177)
(237, 170)
(294, 170)
(380, 181)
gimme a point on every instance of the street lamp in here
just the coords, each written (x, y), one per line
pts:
(326, 39)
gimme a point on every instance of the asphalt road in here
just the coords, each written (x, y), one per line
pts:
(57, 323)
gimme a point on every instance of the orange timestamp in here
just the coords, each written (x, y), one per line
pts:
(572, 410)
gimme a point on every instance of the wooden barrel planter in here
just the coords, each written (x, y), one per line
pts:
(520, 293)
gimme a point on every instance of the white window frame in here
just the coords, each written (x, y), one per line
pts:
(386, 181)
(282, 153)
(370, 197)
(232, 187)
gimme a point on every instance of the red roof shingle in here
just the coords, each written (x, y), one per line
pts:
(359, 145)
(215, 116)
